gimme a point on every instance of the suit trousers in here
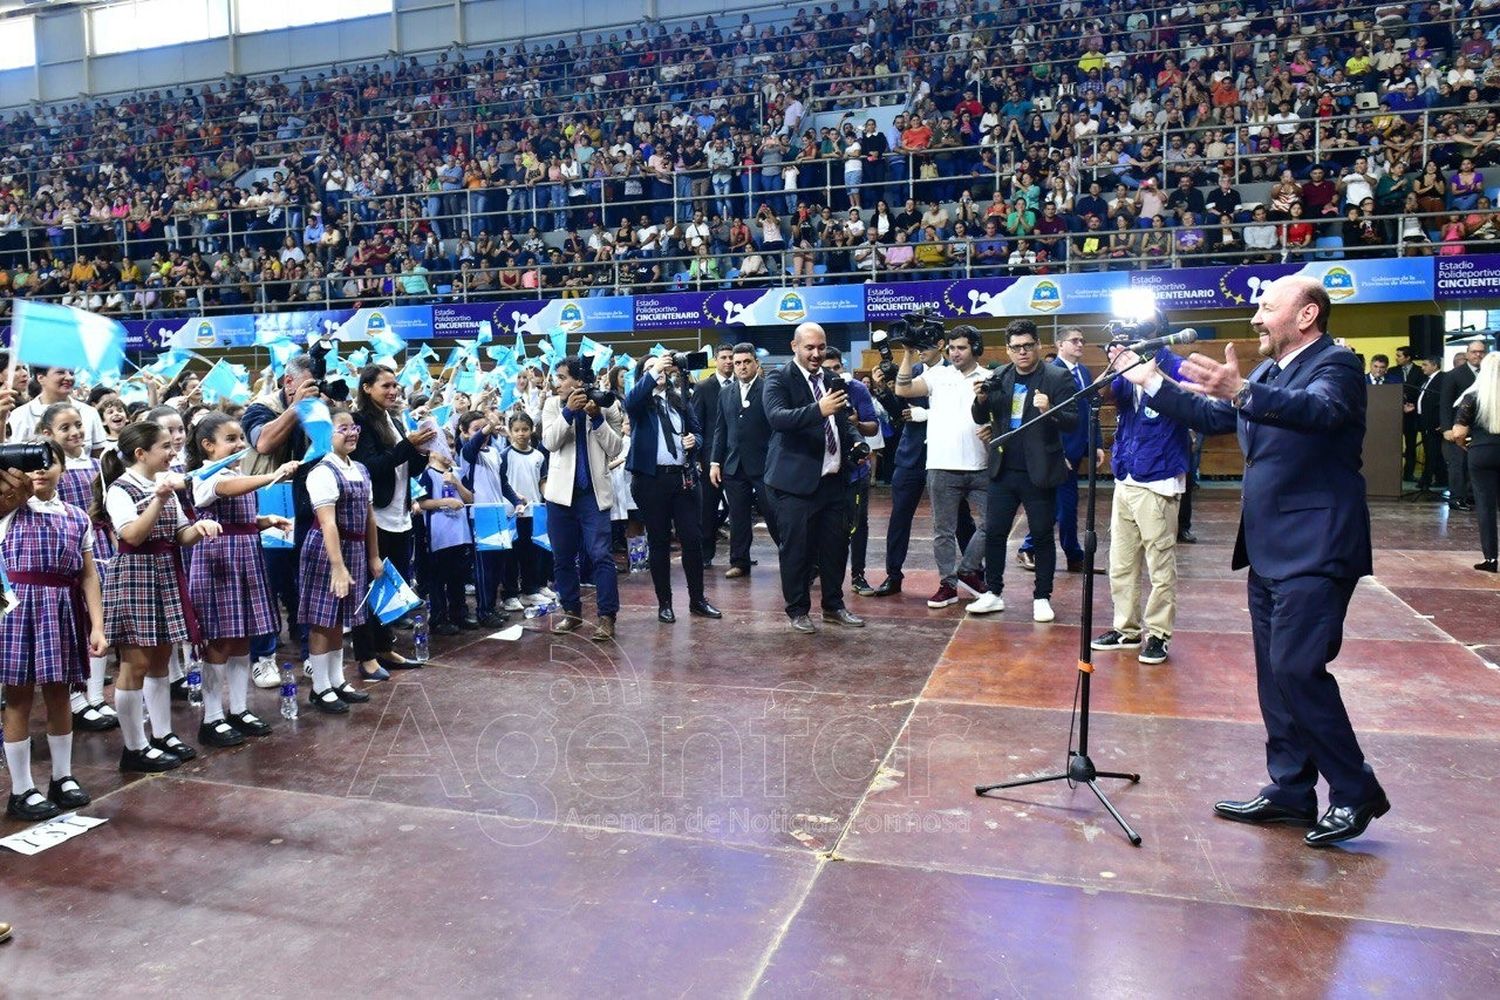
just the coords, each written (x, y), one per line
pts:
(581, 529)
(1009, 491)
(814, 539)
(1409, 448)
(1143, 529)
(743, 496)
(1434, 472)
(1484, 470)
(1297, 625)
(711, 516)
(1457, 460)
(664, 505)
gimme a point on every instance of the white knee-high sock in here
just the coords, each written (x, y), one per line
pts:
(238, 684)
(18, 759)
(97, 665)
(62, 755)
(213, 692)
(320, 667)
(176, 665)
(131, 707)
(158, 695)
(77, 701)
(336, 667)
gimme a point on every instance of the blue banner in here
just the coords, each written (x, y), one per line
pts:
(1471, 277)
(751, 307)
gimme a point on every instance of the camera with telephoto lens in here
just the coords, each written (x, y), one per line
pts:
(28, 457)
(881, 341)
(687, 363)
(601, 398)
(919, 330)
(318, 351)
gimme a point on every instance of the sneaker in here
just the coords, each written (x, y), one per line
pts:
(1114, 639)
(1026, 560)
(512, 604)
(1041, 610)
(945, 596)
(532, 600)
(266, 674)
(1155, 650)
(548, 593)
(861, 586)
(986, 603)
(973, 583)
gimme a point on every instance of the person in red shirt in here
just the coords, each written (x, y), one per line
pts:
(969, 104)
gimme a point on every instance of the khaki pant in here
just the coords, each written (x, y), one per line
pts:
(1143, 527)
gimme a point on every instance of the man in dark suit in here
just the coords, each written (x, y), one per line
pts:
(1069, 343)
(1455, 381)
(1025, 470)
(1380, 372)
(1305, 534)
(1411, 378)
(1427, 408)
(738, 464)
(706, 409)
(806, 471)
(664, 442)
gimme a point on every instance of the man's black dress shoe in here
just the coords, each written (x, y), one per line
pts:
(666, 615)
(1262, 810)
(889, 588)
(1346, 822)
(843, 617)
(1487, 566)
(804, 624)
(1187, 537)
(704, 610)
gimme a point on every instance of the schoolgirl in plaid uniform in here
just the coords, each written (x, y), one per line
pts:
(47, 637)
(227, 584)
(171, 420)
(145, 597)
(63, 424)
(339, 558)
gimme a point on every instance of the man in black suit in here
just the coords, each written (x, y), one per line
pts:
(806, 472)
(1025, 470)
(1455, 381)
(1411, 378)
(1427, 408)
(739, 457)
(706, 409)
(1304, 534)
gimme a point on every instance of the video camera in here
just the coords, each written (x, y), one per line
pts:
(318, 351)
(920, 330)
(27, 457)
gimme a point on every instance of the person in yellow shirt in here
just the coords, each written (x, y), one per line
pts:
(130, 273)
(1091, 60)
(82, 272)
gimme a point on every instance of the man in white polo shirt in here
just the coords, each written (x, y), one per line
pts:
(957, 459)
(56, 387)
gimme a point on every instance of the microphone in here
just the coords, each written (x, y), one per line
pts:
(1155, 344)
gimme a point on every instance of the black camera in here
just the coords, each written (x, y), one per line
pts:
(689, 362)
(584, 372)
(920, 330)
(29, 457)
(318, 351)
(881, 341)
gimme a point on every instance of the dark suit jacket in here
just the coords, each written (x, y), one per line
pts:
(794, 459)
(1392, 377)
(1045, 461)
(382, 460)
(1076, 441)
(1429, 397)
(705, 405)
(1455, 381)
(645, 426)
(1303, 511)
(742, 434)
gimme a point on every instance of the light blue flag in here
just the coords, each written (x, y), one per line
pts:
(559, 339)
(360, 358)
(658, 349)
(386, 341)
(275, 501)
(44, 335)
(507, 394)
(282, 351)
(539, 526)
(494, 528)
(466, 381)
(204, 471)
(134, 392)
(455, 358)
(414, 372)
(169, 365)
(486, 332)
(426, 353)
(441, 415)
(390, 597)
(520, 349)
(222, 382)
(499, 354)
(317, 424)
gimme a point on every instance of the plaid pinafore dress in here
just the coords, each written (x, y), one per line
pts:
(45, 639)
(316, 604)
(227, 580)
(145, 594)
(76, 487)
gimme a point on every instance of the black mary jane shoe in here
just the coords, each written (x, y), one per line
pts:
(31, 807)
(90, 720)
(328, 702)
(349, 694)
(172, 744)
(68, 793)
(151, 760)
(220, 735)
(248, 724)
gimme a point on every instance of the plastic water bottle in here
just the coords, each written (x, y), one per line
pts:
(638, 554)
(538, 610)
(195, 681)
(419, 632)
(288, 691)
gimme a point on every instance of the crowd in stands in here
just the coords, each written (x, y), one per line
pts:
(1065, 135)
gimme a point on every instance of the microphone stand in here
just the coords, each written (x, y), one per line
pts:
(1080, 769)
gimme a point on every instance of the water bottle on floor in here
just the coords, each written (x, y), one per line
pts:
(539, 610)
(638, 555)
(195, 681)
(288, 691)
(419, 632)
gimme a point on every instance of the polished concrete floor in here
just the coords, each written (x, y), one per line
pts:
(730, 809)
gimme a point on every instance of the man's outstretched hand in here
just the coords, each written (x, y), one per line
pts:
(1207, 377)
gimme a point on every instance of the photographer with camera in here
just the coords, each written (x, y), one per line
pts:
(956, 454)
(805, 465)
(665, 444)
(1026, 469)
(579, 492)
(861, 413)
